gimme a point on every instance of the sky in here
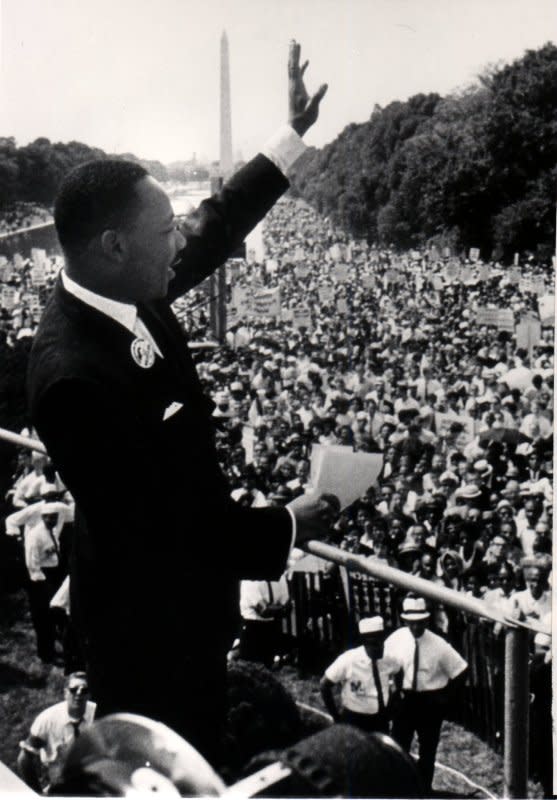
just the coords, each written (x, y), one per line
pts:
(142, 76)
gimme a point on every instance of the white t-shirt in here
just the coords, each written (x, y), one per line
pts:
(438, 661)
(353, 669)
(257, 595)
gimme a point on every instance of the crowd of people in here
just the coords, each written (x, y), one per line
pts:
(377, 352)
(22, 215)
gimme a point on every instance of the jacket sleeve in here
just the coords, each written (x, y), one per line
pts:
(221, 222)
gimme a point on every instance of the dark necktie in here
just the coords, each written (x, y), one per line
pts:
(271, 595)
(75, 723)
(378, 687)
(416, 667)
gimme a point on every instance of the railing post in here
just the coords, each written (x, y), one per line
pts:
(517, 700)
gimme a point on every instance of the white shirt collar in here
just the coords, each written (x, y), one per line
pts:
(124, 313)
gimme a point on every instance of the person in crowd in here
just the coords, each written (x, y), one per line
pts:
(42, 524)
(42, 753)
(263, 606)
(430, 669)
(364, 675)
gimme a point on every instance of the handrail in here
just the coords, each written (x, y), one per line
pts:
(22, 441)
(412, 583)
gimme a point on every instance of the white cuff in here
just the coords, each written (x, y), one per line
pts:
(294, 528)
(284, 148)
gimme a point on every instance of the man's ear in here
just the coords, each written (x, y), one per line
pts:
(114, 245)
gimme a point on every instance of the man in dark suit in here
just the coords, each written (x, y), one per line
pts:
(160, 546)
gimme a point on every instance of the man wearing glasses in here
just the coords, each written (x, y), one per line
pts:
(42, 754)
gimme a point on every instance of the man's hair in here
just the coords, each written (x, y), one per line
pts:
(82, 676)
(95, 196)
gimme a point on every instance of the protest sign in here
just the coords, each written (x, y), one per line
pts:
(437, 282)
(286, 314)
(528, 334)
(483, 272)
(546, 306)
(302, 270)
(368, 281)
(487, 316)
(474, 254)
(341, 273)
(271, 265)
(326, 294)
(516, 259)
(18, 261)
(434, 253)
(38, 257)
(38, 276)
(7, 298)
(341, 471)
(241, 300)
(513, 275)
(342, 306)
(446, 252)
(266, 303)
(505, 321)
(301, 318)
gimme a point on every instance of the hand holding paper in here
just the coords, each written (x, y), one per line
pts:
(315, 514)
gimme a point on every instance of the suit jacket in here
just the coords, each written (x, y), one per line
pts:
(160, 546)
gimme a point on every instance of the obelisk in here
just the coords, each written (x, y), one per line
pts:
(225, 118)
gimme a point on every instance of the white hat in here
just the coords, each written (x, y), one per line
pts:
(371, 625)
(414, 609)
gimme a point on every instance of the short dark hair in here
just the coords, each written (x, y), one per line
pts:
(93, 197)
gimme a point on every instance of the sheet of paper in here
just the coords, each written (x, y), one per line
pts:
(343, 472)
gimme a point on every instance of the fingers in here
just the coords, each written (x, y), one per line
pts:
(303, 69)
(293, 58)
(319, 94)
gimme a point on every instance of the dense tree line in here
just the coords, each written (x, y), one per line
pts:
(473, 169)
(33, 172)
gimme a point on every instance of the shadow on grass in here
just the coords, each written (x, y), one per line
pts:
(11, 677)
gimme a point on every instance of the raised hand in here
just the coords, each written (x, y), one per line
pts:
(303, 110)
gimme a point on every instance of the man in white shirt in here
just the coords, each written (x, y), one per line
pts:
(42, 524)
(53, 732)
(263, 606)
(429, 667)
(364, 674)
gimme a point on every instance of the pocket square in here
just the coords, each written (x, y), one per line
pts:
(171, 410)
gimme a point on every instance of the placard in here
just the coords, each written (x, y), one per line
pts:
(546, 306)
(301, 318)
(341, 273)
(7, 297)
(368, 281)
(326, 294)
(342, 306)
(38, 276)
(266, 303)
(474, 254)
(38, 256)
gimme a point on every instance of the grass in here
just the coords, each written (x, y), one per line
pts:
(27, 686)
